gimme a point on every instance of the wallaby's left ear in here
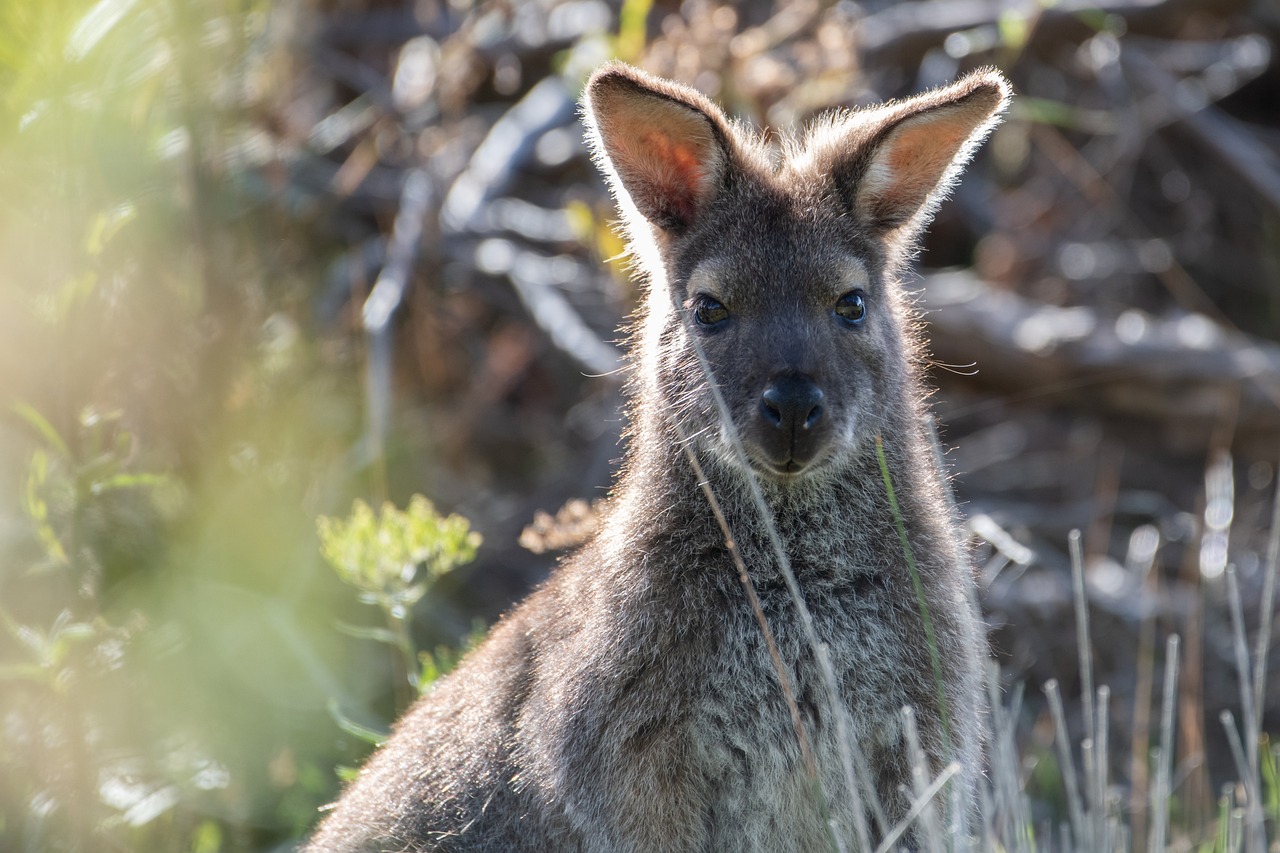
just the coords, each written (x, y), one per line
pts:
(919, 148)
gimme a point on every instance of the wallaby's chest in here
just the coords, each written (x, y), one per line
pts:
(744, 740)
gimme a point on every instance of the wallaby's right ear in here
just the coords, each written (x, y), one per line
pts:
(660, 144)
(917, 150)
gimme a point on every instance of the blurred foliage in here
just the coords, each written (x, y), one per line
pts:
(381, 556)
(393, 559)
(167, 647)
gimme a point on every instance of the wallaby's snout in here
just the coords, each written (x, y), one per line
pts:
(792, 421)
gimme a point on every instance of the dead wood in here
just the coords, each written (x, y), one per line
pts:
(1178, 372)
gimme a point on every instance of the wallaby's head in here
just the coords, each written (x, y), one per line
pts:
(779, 263)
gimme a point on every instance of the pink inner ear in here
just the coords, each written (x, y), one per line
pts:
(914, 159)
(668, 173)
(927, 147)
(663, 145)
(682, 161)
(680, 178)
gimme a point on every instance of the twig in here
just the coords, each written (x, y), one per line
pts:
(1063, 741)
(1164, 759)
(509, 143)
(784, 679)
(1212, 128)
(921, 803)
(532, 275)
(1249, 772)
(1267, 608)
(1082, 633)
(384, 299)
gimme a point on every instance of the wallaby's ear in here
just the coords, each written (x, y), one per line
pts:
(660, 144)
(919, 148)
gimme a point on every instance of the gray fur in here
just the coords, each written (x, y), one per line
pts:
(630, 703)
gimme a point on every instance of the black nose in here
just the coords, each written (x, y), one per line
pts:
(792, 403)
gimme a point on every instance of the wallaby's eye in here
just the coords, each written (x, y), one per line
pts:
(709, 312)
(851, 307)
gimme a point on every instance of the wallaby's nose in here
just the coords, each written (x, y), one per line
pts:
(792, 403)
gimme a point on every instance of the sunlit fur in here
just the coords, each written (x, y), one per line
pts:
(630, 703)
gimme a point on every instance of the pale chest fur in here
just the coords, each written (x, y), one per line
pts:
(745, 738)
(739, 760)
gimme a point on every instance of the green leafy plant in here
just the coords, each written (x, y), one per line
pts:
(392, 558)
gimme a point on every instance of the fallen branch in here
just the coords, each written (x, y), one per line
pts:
(1181, 372)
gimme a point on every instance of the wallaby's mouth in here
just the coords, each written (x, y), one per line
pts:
(786, 457)
(784, 470)
(791, 466)
(781, 464)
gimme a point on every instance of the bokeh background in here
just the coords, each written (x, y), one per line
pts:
(261, 259)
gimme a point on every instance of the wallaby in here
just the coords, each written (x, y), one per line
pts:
(633, 702)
